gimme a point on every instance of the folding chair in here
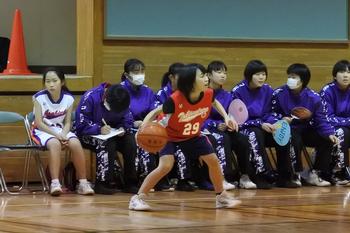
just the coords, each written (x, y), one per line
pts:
(308, 158)
(29, 119)
(2, 186)
(235, 162)
(273, 163)
(13, 117)
(272, 157)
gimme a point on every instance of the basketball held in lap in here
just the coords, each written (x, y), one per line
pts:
(152, 137)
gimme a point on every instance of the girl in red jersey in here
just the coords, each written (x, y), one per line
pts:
(186, 110)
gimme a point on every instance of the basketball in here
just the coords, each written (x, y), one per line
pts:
(152, 137)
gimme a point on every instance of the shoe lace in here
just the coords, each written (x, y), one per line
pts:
(141, 201)
(54, 185)
(224, 196)
(320, 180)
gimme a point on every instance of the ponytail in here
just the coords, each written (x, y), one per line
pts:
(174, 69)
(165, 79)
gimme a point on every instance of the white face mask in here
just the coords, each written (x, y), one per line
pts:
(292, 83)
(138, 79)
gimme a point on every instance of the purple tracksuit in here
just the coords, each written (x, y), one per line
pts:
(234, 141)
(163, 94)
(312, 132)
(284, 101)
(90, 111)
(337, 104)
(338, 111)
(214, 119)
(88, 121)
(142, 101)
(258, 102)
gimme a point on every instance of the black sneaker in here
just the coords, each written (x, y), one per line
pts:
(164, 186)
(286, 183)
(261, 182)
(206, 185)
(184, 185)
(346, 171)
(270, 176)
(339, 178)
(130, 189)
(102, 188)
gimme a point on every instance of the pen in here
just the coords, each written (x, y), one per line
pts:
(104, 122)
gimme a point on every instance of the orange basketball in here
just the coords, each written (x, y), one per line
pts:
(152, 137)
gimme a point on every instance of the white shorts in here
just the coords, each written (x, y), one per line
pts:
(41, 137)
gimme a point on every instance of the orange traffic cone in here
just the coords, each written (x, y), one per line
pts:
(17, 61)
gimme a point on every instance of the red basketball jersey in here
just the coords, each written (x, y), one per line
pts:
(187, 120)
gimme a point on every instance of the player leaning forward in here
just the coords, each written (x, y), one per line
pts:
(185, 111)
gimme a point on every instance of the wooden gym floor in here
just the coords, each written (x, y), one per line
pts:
(308, 209)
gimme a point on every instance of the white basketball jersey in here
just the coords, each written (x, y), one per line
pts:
(54, 112)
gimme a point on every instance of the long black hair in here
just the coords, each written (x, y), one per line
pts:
(59, 74)
(187, 78)
(174, 69)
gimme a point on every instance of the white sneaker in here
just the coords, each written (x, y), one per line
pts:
(314, 179)
(85, 189)
(227, 185)
(246, 183)
(224, 200)
(341, 182)
(137, 203)
(55, 189)
(297, 180)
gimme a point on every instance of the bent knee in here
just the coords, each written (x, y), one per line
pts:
(53, 143)
(166, 166)
(74, 142)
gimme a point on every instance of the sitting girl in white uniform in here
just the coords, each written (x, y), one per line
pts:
(51, 128)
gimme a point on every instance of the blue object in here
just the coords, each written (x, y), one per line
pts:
(282, 133)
